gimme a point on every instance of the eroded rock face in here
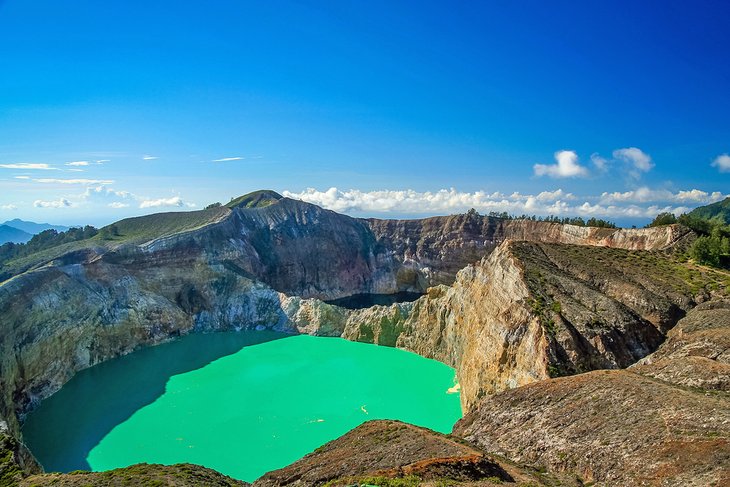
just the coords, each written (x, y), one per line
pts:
(483, 327)
(697, 350)
(531, 311)
(435, 249)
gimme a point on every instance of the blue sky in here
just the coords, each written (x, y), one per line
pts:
(612, 109)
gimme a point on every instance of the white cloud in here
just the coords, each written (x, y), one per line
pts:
(566, 167)
(118, 204)
(174, 201)
(106, 191)
(698, 196)
(102, 161)
(22, 177)
(73, 181)
(645, 194)
(227, 159)
(637, 160)
(29, 165)
(59, 203)
(642, 203)
(556, 195)
(8, 207)
(601, 163)
(147, 157)
(722, 163)
(78, 163)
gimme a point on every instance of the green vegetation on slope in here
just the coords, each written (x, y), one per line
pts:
(577, 221)
(45, 240)
(50, 244)
(660, 271)
(10, 471)
(712, 224)
(719, 211)
(257, 199)
(595, 289)
(142, 229)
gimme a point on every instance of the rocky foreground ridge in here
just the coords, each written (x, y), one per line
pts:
(507, 303)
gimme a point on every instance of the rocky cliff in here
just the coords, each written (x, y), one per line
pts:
(530, 311)
(301, 249)
(665, 421)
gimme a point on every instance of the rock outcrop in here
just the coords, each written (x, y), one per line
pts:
(697, 351)
(616, 428)
(377, 452)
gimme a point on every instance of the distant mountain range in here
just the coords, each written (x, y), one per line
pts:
(20, 231)
(12, 234)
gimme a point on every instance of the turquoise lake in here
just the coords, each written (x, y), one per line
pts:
(243, 403)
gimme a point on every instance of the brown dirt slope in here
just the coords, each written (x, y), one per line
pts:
(391, 453)
(616, 428)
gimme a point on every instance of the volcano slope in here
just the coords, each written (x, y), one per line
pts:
(532, 300)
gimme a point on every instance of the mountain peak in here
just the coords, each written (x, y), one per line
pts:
(256, 199)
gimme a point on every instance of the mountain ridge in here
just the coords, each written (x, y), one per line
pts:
(34, 228)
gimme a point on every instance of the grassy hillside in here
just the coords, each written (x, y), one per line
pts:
(135, 231)
(257, 199)
(142, 229)
(139, 230)
(719, 211)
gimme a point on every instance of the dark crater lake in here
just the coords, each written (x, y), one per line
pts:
(360, 301)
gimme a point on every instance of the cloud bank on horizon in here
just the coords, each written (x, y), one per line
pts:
(639, 203)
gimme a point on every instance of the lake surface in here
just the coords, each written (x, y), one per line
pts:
(242, 403)
(360, 301)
